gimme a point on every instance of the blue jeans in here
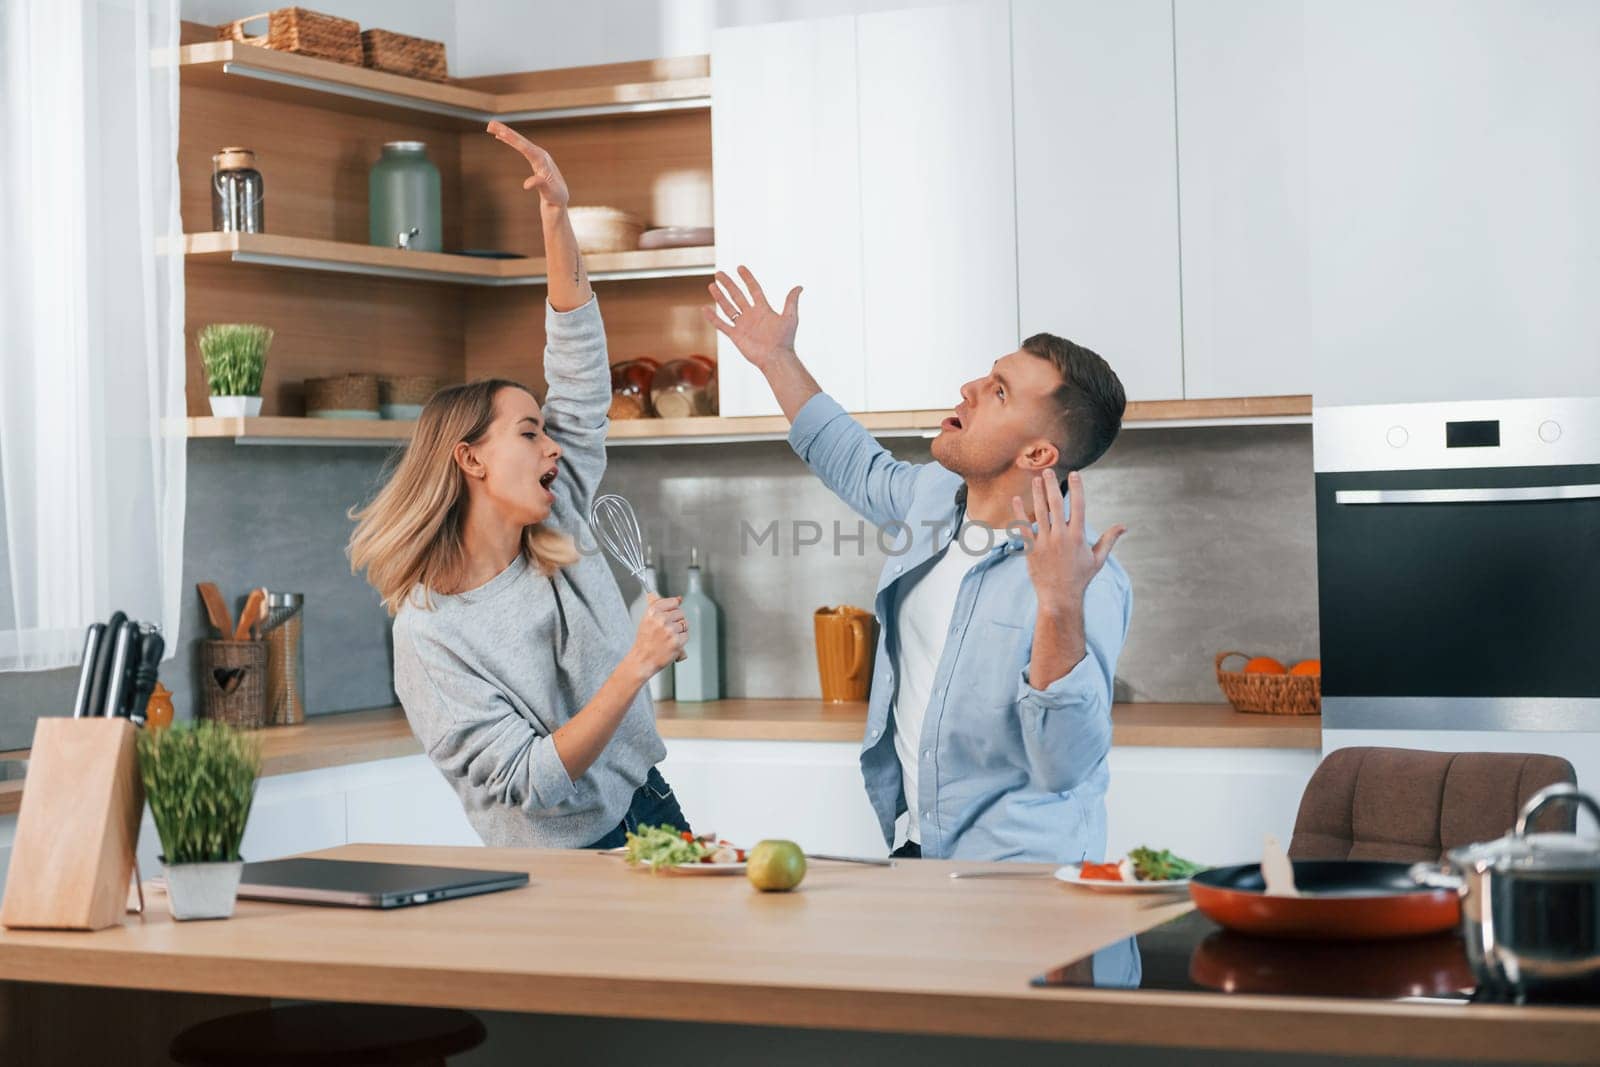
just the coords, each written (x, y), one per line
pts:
(653, 804)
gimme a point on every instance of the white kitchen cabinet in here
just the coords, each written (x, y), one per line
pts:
(788, 195)
(1096, 184)
(1241, 93)
(804, 791)
(1453, 161)
(938, 230)
(1211, 805)
(408, 803)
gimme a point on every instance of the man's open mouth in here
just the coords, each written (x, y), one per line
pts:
(951, 423)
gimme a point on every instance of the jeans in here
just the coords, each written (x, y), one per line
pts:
(653, 804)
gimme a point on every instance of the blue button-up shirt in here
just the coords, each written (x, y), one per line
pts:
(1009, 772)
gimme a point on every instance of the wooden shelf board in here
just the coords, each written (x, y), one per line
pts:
(283, 75)
(307, 253)
(686, 431)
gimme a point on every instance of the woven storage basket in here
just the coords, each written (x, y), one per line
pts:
(407, 389)
(1270, 694)
(414, 57)
(605, 229)
(347, 392)
(233, 676)
(305, 33)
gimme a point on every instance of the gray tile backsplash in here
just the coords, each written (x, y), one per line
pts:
(1221, 550)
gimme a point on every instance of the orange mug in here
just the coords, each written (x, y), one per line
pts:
(845, 640)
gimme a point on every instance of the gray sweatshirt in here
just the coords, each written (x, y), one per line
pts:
(488, 675)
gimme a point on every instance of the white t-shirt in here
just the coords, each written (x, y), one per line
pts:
(923, 609)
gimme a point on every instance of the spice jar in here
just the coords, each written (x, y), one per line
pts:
(237, 192)
(158, 711)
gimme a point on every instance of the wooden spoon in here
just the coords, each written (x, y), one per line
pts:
(250, 617)
(216, 608)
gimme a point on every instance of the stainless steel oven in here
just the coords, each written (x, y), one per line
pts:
(1458, 565)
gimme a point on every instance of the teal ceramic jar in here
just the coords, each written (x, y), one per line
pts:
(402, 196)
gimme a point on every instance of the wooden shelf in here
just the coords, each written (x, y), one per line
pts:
(714, 429)
(343, 257)
(320, 82)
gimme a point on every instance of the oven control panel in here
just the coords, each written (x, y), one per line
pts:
(1563, 431)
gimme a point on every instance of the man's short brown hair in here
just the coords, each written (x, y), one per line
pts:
(1089, 400)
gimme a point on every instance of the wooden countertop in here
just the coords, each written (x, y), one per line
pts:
(382, 733)
(856, 948)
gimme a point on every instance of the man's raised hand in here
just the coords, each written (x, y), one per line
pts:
(758, 332)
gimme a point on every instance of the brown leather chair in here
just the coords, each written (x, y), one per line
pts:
(1408, 805)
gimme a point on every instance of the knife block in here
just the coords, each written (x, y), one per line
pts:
(73, 853)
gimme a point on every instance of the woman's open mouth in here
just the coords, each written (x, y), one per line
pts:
(547, 480)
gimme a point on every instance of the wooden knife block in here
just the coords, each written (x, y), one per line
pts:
(74, 848)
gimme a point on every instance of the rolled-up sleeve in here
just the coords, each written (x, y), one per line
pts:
(847, 458)
(471, 732)
(1066, 726)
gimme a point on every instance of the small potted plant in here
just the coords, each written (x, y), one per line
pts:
(234, 355)
(200, 780)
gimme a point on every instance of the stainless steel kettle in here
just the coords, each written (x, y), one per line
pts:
(1530, 904)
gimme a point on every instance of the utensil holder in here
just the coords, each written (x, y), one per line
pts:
(233, 678)
(73, 854)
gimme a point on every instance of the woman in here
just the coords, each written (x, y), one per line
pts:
(510, 649)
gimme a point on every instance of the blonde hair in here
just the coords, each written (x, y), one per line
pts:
(409, 535)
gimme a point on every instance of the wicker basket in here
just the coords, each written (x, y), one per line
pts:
(233, 677)
(305, 33)
(1270, 694)
(413, 57)
(605, 229)
(407, 389)
(345, 394)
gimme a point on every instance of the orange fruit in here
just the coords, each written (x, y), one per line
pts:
(1264, 665)
(1312, 667)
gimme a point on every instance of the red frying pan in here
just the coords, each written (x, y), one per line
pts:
(1341, 900)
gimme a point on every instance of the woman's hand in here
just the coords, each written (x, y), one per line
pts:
(546, 175)
(662, 634)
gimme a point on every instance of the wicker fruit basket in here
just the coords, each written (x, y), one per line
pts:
(345, 395)
(1270, 694)
(605, 229)
(305, 33)
(396, 53)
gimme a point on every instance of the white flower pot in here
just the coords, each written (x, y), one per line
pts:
(202, 890)
(235, 407)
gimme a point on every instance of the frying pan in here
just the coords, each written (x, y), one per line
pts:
(1344, 900)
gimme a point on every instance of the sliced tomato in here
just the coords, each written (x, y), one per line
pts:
(1101, 872)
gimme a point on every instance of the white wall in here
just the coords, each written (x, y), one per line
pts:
(433, 19)
(496, 36)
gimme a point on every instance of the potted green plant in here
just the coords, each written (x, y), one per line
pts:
(234, 355)
(200, 780)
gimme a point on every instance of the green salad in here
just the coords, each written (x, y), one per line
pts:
(1152, 866)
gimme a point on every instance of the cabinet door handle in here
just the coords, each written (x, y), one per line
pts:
(1501, 495)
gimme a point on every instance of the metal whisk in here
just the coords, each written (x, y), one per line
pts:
(616, 527)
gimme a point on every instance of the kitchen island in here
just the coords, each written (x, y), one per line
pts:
(857, 950)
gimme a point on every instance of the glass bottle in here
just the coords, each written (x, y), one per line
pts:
(698, 676)
(403, 200)
(661, 684)
(237, 192)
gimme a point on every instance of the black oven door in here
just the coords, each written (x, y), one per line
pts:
(1460, 599)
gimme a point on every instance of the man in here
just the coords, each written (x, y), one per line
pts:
(990, 713)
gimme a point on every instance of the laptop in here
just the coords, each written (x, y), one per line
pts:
(358, 884)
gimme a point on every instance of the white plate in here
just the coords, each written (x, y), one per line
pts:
(700, 868)
(1069, 875)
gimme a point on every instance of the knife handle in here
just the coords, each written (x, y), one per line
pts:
(145, 671)
(91, 652)
(102, 665)
(116, 688)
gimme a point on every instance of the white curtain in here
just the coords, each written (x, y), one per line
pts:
(91, 323)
